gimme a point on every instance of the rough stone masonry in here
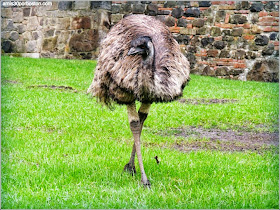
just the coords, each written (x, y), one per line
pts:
(225, 39)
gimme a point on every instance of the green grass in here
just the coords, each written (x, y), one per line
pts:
(60, 149)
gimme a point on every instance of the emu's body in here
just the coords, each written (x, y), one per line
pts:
(139, 60)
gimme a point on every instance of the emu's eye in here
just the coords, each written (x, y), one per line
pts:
(141, 46)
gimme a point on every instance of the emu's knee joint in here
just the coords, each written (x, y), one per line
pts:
(135, 126)
(142, 116)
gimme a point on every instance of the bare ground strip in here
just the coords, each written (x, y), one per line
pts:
(223, 140)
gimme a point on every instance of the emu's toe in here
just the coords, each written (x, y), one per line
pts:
(129, 168)
(146, 183)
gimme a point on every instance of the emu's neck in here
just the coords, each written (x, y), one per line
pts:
(149, 60)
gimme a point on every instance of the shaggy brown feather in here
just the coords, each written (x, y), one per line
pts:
(125, 78)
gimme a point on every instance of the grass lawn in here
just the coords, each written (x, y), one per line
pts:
(60, 149)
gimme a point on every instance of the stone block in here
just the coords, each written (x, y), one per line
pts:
(239, 54)
(237, 32)
(215, 31)
(115, 18)
(256, 7)
(6, 13)
(21, 28)
(266, 70)
(17, 17)
(187, 31)
(202, 31)
(182, 22)
(26, 12)
(273, 36)
(206, 40)
(220, 15)
(198, 22)
(227, 7)
(14, 36)
(204, 3)
(169, 4)
(238, 19)
(235, 71)
(271, 6)
(7, 25)
(49, 44)
(101, 5)
(36, 35)
(65, 5)
(116, 8)
(81, 23)
(192, 12)
(268, 50)
(177, 12)
(221, 71)
(219, 45)
(255, 29)
(208, 71)
(31, 46)
(81, 4)
(261, 40)
(170, 21)
(49, 32)
(183, 39)
(63, 23)
(27, 36)
(19, 46)
(194, 4)
(32, 23)
(5, 35)
(138, 8)
(152, 10)
(126, 8)
(63, 37)
(7, 46)
(85, 42)
(224, 54)
(192, 59)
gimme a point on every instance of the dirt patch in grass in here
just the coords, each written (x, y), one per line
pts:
(198, 101)
(53, 87)
(223, 140)
(10, 82)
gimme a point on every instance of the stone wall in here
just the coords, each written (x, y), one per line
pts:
(226, 39)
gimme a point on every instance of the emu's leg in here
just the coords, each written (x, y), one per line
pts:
(135, 128)
(130, 167)
(142, 113)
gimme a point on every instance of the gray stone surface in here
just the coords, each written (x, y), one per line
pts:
(31, 46)
(266, 70)
(14, 35)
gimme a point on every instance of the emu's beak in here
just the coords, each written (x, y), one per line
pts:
(135, 50)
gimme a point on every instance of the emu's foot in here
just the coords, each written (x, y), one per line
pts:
(129, 168)
(146, 183)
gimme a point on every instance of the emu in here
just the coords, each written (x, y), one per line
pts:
(139, 60)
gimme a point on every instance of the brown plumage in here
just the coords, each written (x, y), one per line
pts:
(139, 60)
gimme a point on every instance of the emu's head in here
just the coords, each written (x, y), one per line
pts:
(142, 45)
